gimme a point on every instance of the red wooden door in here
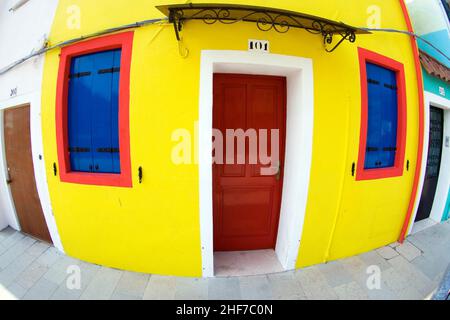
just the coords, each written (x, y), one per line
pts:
(246, 201)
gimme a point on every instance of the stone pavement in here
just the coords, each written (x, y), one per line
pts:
(30, 269)
(443, 293)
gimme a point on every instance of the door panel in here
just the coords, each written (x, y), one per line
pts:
(21, 173)
(433, 163)
(247, 203)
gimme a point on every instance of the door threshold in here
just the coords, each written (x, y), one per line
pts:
(422, 225)
(246, 263)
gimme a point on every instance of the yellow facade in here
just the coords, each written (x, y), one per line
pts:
(154, 227)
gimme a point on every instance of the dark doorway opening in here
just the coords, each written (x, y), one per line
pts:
(433, 163)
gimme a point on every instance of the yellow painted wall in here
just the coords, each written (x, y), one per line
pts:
(154, 227)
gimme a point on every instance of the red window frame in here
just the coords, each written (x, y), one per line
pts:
(366, 56)
(122, 41)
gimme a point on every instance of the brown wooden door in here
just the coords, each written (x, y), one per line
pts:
(246, 201)
(21, 173)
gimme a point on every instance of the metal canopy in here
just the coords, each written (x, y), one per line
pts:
(266, 19)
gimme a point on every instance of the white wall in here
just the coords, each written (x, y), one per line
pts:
(427, 16)
(22, 32)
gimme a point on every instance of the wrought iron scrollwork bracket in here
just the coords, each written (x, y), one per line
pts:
(328, 39)
(177, 23)
(266, 20)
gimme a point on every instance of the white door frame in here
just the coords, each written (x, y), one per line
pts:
(299, 140)
(34, 101)
(440, 198)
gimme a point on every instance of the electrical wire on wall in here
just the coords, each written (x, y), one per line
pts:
(47, 48)
(19, 4)
(184, 52)
(410, 34)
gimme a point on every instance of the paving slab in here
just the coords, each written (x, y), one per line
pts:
(224, 289)
(160, 288)
(131, 284)
(15, 268)
(38, 248)
(41, 290)
(6, 294)
(415, 279)
(15, 251)
(34, 270)
(351, 291)
(49, 257)
(400, 286)
(408, 251)
(387, 253)
(357, 268)
(315, 284)
(255, 288)
(6, 233)
(59, 271)
(431, 267)
(191, 289)
(31, 275)
(11, 239)
(286, 286)
(443, 291)
(394, 245)
(372, 258)
(88, 272)
(116, 296)
(102, 285)
(17, 291)
(335, 273)
(2, 249)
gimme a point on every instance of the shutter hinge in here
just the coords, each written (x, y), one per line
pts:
(55, 169)
(109, 70)
(140, 174)
(79, 75)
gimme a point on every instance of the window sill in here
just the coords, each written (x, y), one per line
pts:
(383, 173)
(97, 179)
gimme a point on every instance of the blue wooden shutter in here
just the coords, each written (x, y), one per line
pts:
(382, 117)
(79, 114)
(115, 111)
(105, 110)
(94, 112)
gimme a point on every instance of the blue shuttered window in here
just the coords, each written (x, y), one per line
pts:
(382, 117)
(93, 112)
